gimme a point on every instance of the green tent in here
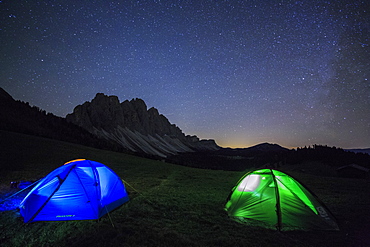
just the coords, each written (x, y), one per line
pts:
(275, 200)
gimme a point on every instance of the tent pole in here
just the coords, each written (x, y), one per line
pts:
(48, 199)
(20, 191)
(278, 208)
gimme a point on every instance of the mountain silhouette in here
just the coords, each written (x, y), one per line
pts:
(134, 127)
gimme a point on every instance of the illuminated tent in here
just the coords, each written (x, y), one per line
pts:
(78, 190)
(275, 200)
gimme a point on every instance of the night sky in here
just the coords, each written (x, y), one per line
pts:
(294, 73)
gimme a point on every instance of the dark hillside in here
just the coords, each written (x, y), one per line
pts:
(170, 205)
(333, 156)
(364, 150)
(233, 159)
(18, 116)
(319, 160)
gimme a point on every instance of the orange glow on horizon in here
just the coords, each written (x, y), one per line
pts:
(248, 145)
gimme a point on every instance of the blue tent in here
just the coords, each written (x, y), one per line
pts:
(78, 190)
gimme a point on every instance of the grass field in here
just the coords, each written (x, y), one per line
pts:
(170, 205)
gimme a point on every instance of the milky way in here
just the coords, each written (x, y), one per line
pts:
(294, 73)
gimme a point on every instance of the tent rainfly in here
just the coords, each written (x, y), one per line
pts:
(79, 190)
(276, 200)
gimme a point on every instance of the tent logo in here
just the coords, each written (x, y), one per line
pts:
(322, 212)
(65, 216)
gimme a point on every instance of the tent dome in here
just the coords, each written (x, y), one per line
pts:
(78, 190)
(275, 199)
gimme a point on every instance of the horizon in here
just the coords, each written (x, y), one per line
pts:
(240, 72)
(231, 146)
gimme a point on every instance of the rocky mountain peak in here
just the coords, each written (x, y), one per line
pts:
(135, 127)
(102, 99)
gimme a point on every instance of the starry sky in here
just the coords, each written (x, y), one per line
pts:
(295, 73)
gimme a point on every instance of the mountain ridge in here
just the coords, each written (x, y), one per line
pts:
(19, 116)
(135, 127)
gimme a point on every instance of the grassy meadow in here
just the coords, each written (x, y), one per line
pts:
(170, 205)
